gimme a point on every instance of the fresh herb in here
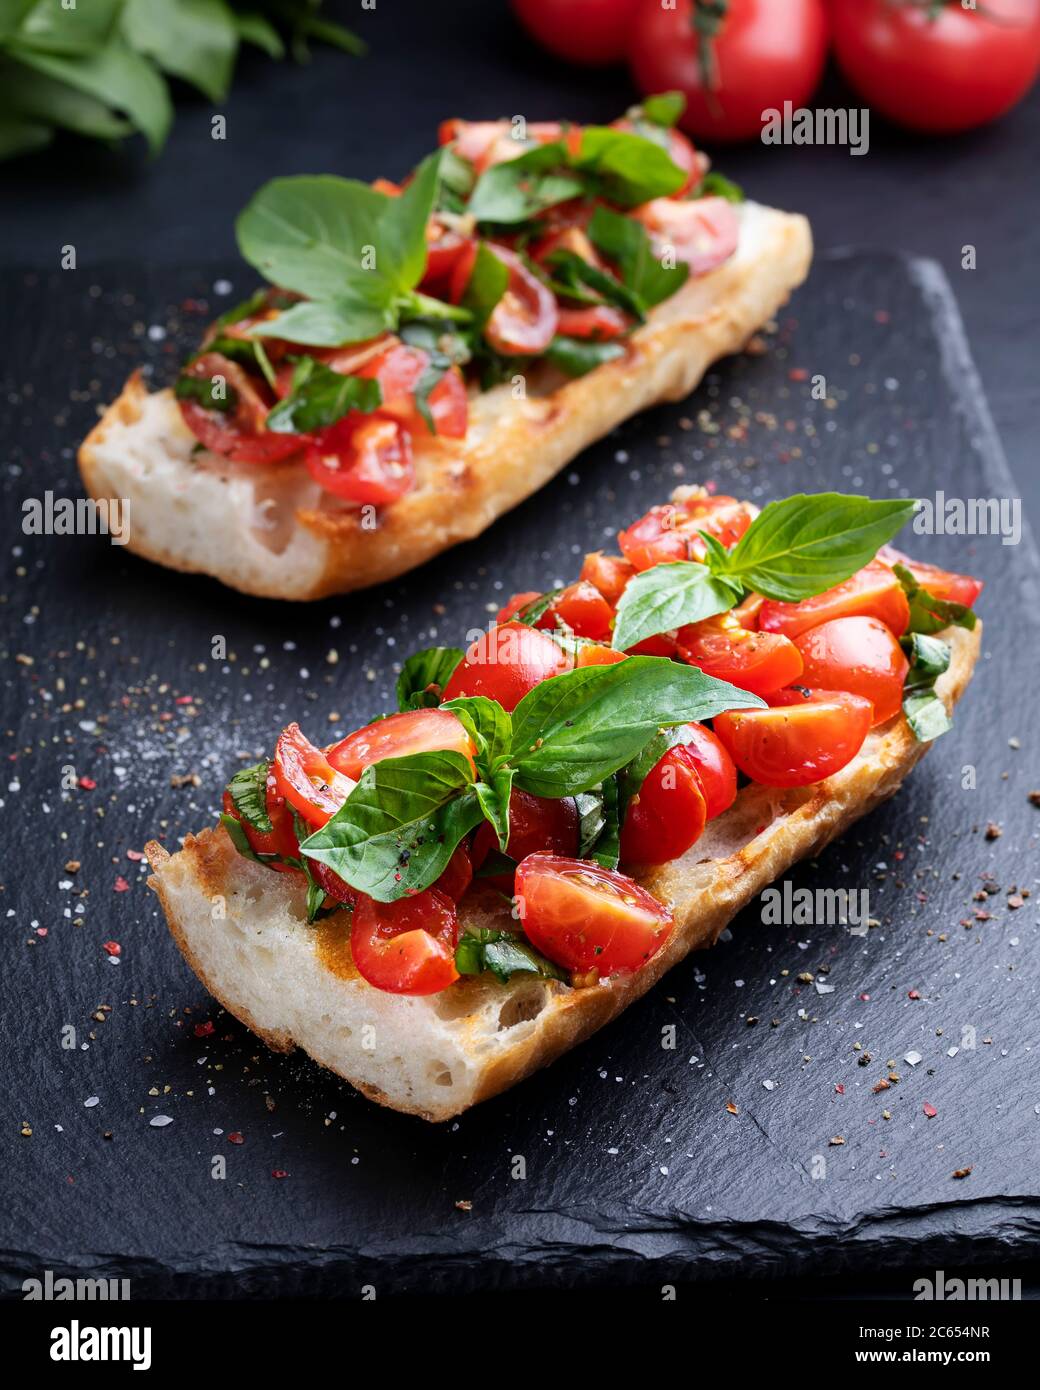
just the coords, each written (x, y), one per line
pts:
(663, 109)
(319, 397)
(574, 276)
(248, 792)
(207, 392)
(599, 823)
(517, 190)
(457, 179)
(249, 353)
(424, 676)
(504, 953)
(577, 356)
(928, 613)
(625, 168)
(717, 185)
(669, 596)
(487, 283)
(240, 840)
(625, 242)
(924, 709)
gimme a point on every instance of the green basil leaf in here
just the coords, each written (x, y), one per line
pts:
(668, 596)
(457, 179)
(238, 838)
(315, 899)
(320, 396)
(352, 317)
(424, 676)
(573, 731)
(629, 168)
(495, 865)
(625, 241)
(494, 803)
(928, 657)
(260, 32)
(248, 791)
(571, 272)
(718, 186)
(29, 97)
(488, 725)
(401, 247)
(249, 352)
(487, 284)
(664, 108)
(806, 544)
(926, 714)
(599, 824)
(577, 356)
(928, 613)
(203, 391)
(51, 26)
(503, 953)
(519, 189)
(400, 825)
(924, 710)
(196, 40)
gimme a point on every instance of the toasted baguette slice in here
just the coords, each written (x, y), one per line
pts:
(242, 928)
(271, 531)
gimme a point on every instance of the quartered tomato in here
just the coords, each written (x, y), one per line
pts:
(859, 655)
(661, 645)
(457, 877)
(304, 776)
(599, 322)
(714, 765)
(945, 584)
(507, 662)
(399, 736)
(366, 459)
(587, 918)
(668, 814)
(237, 433)
(669, 531)
(874, 592)
(595, 654)
(757, 661)
(281, 838)
(406, 947)
(583, 609)
(399, 370)
(804, 737)
(702, 232)
(524, 320)
(609, 574)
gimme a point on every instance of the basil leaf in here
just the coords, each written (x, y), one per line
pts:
(805, 544)
(664, 108)
(353, 316)
(240, 841)
(668, 596)
(576, 356)
(718, 186)
(424, 675)
(315, 899)
(495, 865)
(487, 283)
(401, 248)
(494, 803)
(249, 352)
(519, 189)
(260, 32)
(599, 824)
(924, 710)
(629, 168)
(203, 391)
(457, 179)
(195, 40)
(400, 825)
(571, 272)
(244, 309)
(30, 96)
(928, 657)
(574, 730)
(503, 953)
(248, 792)
(926, 714)
(319, 397)
(625, 241)
(928, 613)
(488, 725)
(54, 27)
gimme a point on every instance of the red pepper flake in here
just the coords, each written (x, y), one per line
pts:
(798, 374)
(279, 1173)
(236, 1138)
(184, 700)
(203, 1030)
(135, 855)
(87, 783)
(840, 1089)
(121, 885)
(899, 854)
(930, 1110)
(913, 994)
(112, 947)
(882, 316)
(865, 997)
(41, 931)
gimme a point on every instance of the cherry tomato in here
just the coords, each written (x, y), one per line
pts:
(595, 654)
(507, 662)
(805, 737)
(583, 609)
(940, 583)
(524, 320)
(332, 884)
(668, 814)
(609, 574)
(859, 655)
(587, 918)
(364, 458)
(596, 321)
(399, 736)
(590, 32)
(670, 530)
(406, 947)
(281, 838)
(238, 433)
(457, 877)
(304, 776)
(715, 766)
(441, 255)
(765, 52)
(399, 370)
(661, 645)
(941, 70)
(874, 592)
(757, 661)
(702, 232)
(535, 823)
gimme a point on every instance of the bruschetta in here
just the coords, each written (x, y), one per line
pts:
(450, 897)
(427, 355)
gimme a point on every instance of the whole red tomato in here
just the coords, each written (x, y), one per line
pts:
(765, 52)
(591, 32)
(939, 71)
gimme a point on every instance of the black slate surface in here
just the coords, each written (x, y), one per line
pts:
(635, 1168)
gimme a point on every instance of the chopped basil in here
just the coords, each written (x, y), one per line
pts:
(319, 397)
(599, 824)
(925, 711)
(718, 186)
(928, 613)
(424, 676)
(203, 391)
(577, 356)
(503, 953)
(248, 792)
(625, 242)
(664, 108)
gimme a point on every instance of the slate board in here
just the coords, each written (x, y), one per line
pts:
(636, 1170)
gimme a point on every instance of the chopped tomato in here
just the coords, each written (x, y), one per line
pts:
(457, 877)
(945, 584)
(304, 776)
(595, 654)
(365, 458)
(703, 232)
(874, 592)
(654, 539)
(596, 321)
(399, 370)
(399, 736)
(757, 661)
(535, 823)
(571, 238)
(442, 252)
(805, 737)
(859, 655)
(669, 531)
(583, 609)
(524, 320)
(237, 433)
(587, 918)
(517, 604)
(406, 947)
(661, 645)
(715, 766)
(332, 884)
(668, 814)
(281, 838)
(485, 143)
(507, 662)
(609, 573)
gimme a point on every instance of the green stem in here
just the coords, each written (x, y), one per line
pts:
(423, 306)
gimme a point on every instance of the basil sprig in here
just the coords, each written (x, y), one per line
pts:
(668, 596)
(319, 397)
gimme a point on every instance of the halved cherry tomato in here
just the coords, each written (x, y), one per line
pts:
(583, 609)
(516, 604)
(670, 531)
(365, 458)
(333, 885)
(535, 823)
(507, 662)
(945, 584)
(703, 232)
(596, 321)
(399, 370)
(715, 766)
(406, 947)
(238, 433)
(874, 592)
(668, 814)
(757, 661)
(595, 654)
(304, 776)
(609, 574)
(524, 320)
(457, 877)
(281, 838)
(587, 918)
(859, 655)
(399, 736)
(805, 737)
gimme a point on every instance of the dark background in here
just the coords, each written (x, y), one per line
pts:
(470, 58)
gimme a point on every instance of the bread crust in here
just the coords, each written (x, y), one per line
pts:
(512, 448)
(758, 839)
